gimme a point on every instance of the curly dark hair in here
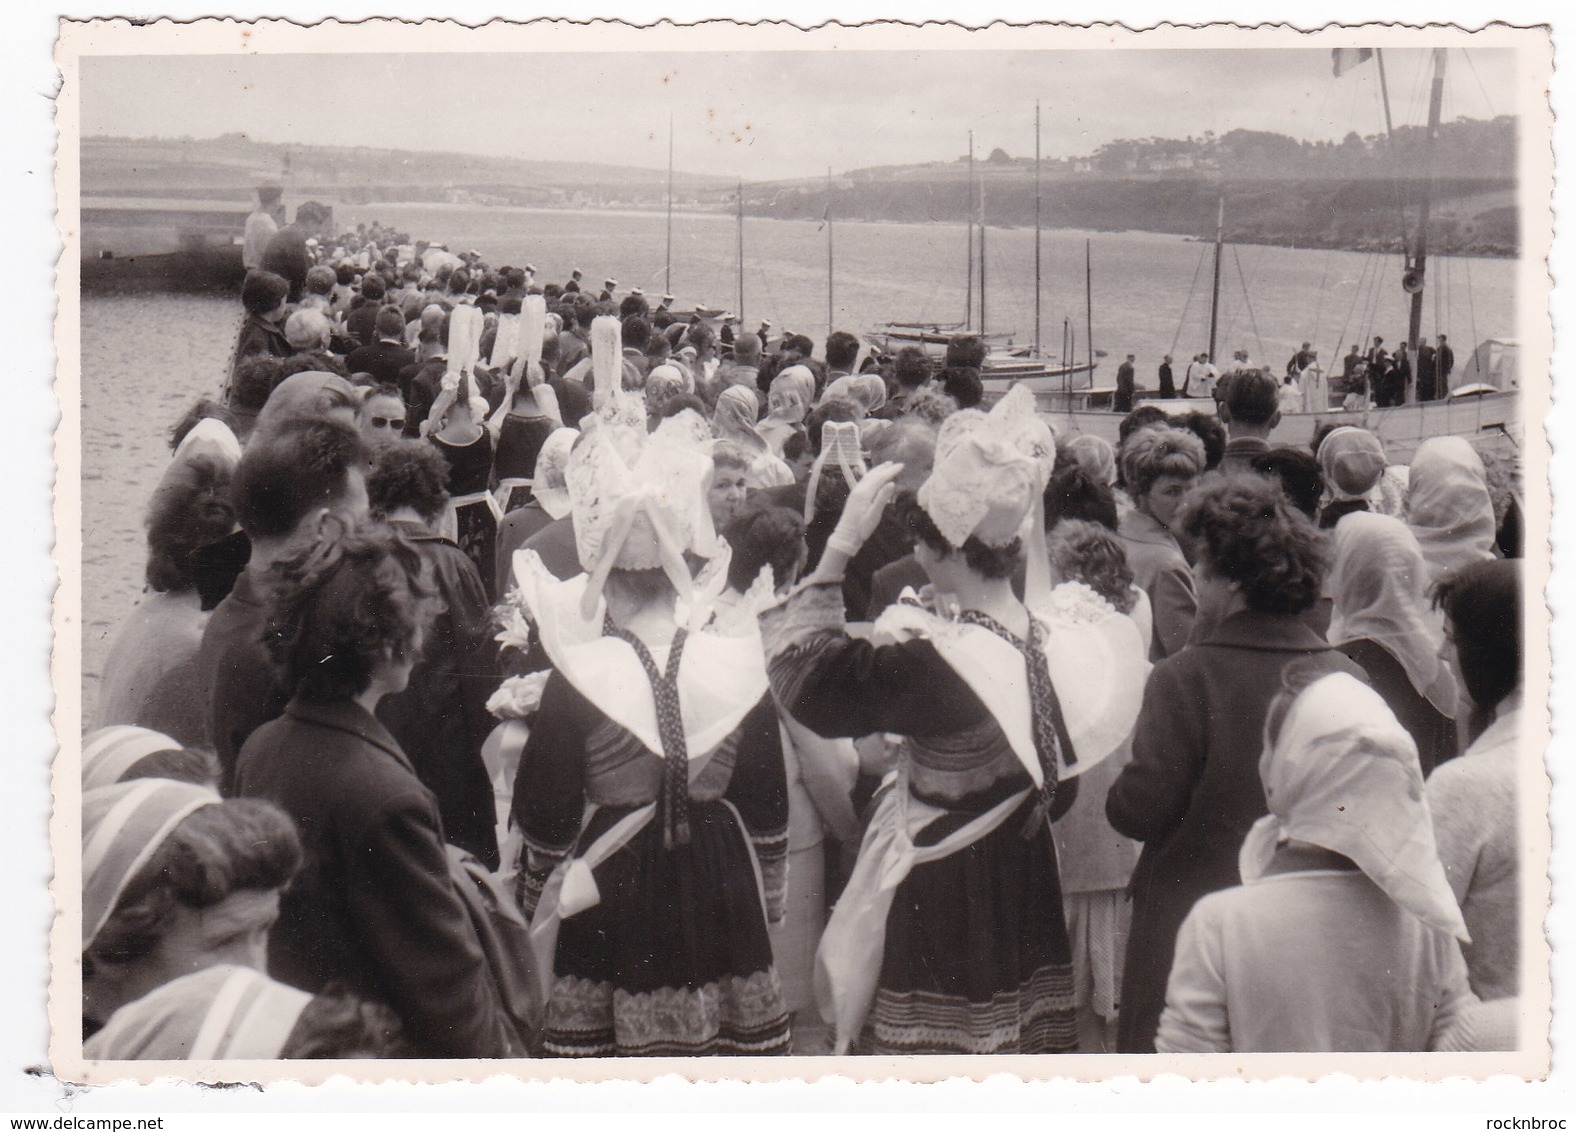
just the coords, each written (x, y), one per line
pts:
(1087, 552)
(1246, 530)
(335, 1025)
(407, 473)
(985, 560)
(190, 509)
(1141, 417)
(1207, 427)
(312, 361)
(255, 379)
(1073, 493)
(1298, 474)
(217, 850)
(341, 607)
(762, 534)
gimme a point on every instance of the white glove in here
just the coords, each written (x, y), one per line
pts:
(862, 513)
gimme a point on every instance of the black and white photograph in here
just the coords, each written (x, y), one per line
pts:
(866, 545)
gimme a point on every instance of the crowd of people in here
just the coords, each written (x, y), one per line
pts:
(527, 672)
(1376, 378)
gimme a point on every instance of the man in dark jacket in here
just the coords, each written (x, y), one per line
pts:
(1168, 385)
(287, 254)
(264, 296)
(292, 479)
(387, 356)
(1122, 402)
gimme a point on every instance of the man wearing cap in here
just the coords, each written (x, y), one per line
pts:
(574, 281)
(608, 287)
(260, 224)
(1250, 410)
(1445, 360)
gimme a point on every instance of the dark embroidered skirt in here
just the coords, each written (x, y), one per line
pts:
(675, 960)
(977, 958)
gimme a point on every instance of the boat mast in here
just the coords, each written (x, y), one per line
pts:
(740, 238)
(1214, 302)
(667, 272)
(968, 272)
(829, 323)
(982, 257)
(1414, 277)
(1089, 305)
(1036, 228)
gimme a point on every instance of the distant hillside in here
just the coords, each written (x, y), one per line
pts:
(229, 167)
(1277, 190)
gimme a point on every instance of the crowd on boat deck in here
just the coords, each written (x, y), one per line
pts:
(525, 669)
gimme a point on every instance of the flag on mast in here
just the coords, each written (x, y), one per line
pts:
(1345, 58)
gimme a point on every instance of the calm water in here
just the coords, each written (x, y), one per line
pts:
(146, 358)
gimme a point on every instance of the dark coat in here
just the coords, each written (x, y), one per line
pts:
(1192, 790)
(288, 257)
(440, 720)
(373, 907)
(420, 383)
(243, 690)
(383, 360)
(258, 337)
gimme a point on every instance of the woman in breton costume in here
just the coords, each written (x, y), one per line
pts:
(529, 413)
(650, 795)
(456, 426)
(951, 936)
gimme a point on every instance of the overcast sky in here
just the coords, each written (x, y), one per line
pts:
(770, 115)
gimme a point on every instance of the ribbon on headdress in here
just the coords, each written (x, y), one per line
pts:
(465, 337)
(607, 360)
(839, 441)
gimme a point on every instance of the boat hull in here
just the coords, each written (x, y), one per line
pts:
(1489, 420)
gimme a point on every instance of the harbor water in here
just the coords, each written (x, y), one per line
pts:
(147, 357)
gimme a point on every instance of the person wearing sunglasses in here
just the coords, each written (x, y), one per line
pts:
(382, 415)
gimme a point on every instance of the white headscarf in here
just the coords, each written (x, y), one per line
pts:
(1380, 582)
(1448, 506)
(1343, 774)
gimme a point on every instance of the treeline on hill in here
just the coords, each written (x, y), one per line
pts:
(1277, 190)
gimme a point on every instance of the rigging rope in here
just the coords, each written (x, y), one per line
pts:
(1357, 292)
(1318, 309)
(1182, 318)
(1247, 300)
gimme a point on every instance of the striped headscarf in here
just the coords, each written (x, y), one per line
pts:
(122, 828)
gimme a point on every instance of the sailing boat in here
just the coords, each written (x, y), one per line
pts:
(1484, 407)
(1004, 366)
